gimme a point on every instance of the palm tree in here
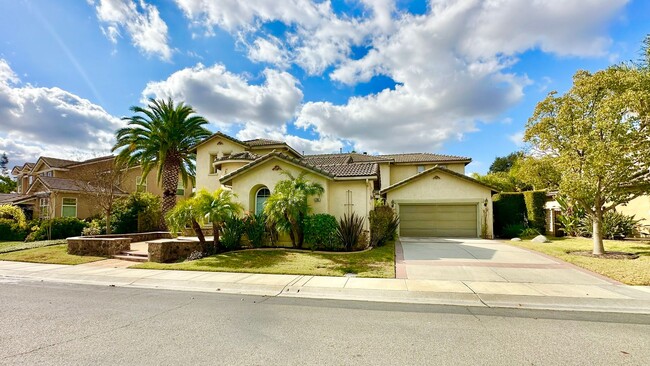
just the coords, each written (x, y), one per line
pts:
(288, 205)
(184, 213)
(161, 137)
(216, 207)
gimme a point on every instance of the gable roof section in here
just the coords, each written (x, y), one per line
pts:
(432, 170)
(68, 185)
(214, 136)
(57, 163)
(245, 155)
(425, 158)
(8, 197)
(331, 172)
(263, 142)
(329, 159)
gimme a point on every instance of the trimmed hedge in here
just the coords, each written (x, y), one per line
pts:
(320, 232)
(58, 228)
(509, 211)
(535, 201)
(519, 210)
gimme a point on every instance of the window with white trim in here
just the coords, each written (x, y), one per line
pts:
(69, 207)
(261, 196)
(44, 208)
(140, 184)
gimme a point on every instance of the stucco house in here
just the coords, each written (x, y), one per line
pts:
(430, 192)
(52, 187)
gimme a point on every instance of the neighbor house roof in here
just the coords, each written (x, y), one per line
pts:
(424, 158)
(332, 172)
(57, 163)
(8, 197)
(69, 185)
(432, 170)
(263, 142)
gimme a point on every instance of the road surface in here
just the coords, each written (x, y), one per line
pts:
(57, 324)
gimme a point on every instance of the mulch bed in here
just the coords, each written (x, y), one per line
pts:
(607, 255)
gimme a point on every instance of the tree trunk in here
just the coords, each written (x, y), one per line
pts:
(108, 222)
(599, 248)
(170, 173)
(199, 233)
(215, 232)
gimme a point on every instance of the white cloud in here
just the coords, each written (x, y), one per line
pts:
(517, 138)
(37, 119)
(141, 21)
(228, 99)
(452, 65)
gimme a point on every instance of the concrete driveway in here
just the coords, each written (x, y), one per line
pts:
(484, 261)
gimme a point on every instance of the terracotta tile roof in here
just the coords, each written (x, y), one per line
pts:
(329, 159)
(352, 170)
(263, 142)
(424, 158)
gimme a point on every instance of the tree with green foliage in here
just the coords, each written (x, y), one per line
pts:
(288, 205)
(503, 181)
(216, 208)
(185, 213)
(597, 135)
(162, 136)
(539, 173)
(7, 185)
(503, 164)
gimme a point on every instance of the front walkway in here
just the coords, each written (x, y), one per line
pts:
(585, 297)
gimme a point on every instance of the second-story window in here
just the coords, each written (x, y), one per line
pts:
(420, 168)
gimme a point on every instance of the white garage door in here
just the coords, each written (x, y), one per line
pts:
(452, 220)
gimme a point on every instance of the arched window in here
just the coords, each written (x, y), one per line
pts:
(260, 198)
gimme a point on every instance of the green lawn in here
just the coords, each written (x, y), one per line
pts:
(378, 262)
(53, 254)
(10, 246)
(629, 271)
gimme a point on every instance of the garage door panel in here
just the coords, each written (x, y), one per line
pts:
(458, 220)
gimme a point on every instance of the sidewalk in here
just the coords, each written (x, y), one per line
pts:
(111, 272)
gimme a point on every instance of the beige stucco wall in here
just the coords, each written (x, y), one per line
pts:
(129, 180)
(447, 189)
(384, 175)
(245, 185)
(640, 208)
(205, 179)
(360, 198)
(400, 172)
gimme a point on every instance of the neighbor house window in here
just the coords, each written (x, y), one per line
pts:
(69, 207)
(420, 168)
(180, 190)
(140, 184)
(46, 174)
(260, 198)
(44, 206)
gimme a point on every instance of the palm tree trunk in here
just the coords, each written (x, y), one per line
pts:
(215, 233)
(170, 173)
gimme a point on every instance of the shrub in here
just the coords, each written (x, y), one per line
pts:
(529, 233)
(512, 231)
(95, 227)
(383, 225)
(350, 230)
(194, 256)
(59, 228)
(320, 232)
(509, 213)
(13, 213)
(12, 231)
(615, 225)
(535, 212)
(255, 228)
(231, 233)
(137, 213)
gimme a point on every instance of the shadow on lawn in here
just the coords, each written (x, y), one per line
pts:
(246, 259)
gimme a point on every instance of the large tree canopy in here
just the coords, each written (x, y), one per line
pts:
(598, 137)
(503, 164)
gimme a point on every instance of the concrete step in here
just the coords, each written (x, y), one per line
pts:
(133, 256)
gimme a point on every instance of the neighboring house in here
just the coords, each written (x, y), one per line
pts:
(54, 187)
(430, 192)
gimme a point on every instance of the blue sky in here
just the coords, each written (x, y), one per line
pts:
(457, 77)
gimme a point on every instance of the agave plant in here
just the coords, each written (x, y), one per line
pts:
(350, 230)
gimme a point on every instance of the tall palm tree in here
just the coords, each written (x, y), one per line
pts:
(288, 205)
(216, 207)
(161, 137)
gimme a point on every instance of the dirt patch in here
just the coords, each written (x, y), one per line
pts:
(607, 255)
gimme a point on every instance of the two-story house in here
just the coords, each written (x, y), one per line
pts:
(53, 187)
(430, 192)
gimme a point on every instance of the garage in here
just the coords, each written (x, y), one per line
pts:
(442, 220)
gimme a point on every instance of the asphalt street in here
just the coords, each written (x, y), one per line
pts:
(68, 324)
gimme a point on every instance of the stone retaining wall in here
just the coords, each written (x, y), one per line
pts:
(165, 251)
(108, 245)
(102, 247)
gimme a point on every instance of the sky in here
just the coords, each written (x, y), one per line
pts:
(378, 76)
